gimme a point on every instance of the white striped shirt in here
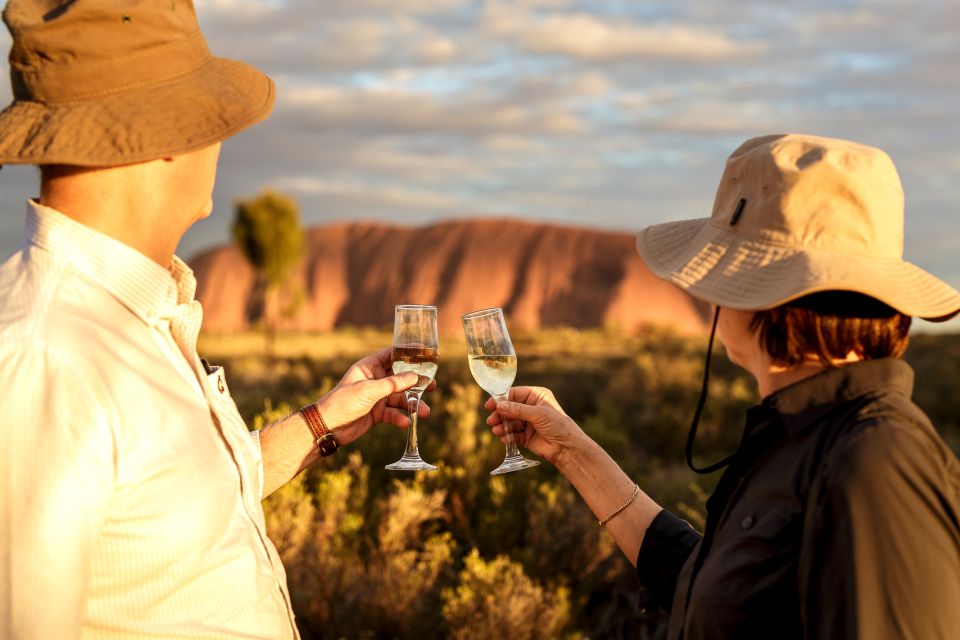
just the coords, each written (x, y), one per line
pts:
(130, 487)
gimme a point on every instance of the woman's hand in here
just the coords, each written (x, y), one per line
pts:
(369, 394)
(539, 423)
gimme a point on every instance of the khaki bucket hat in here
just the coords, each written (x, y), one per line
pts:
(104, 83)
(795, 215)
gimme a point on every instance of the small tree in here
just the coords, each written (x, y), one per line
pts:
(268, 233)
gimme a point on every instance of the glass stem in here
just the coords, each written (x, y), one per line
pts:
(413, 405)
(513, 451)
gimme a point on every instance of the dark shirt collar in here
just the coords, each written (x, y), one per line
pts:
(802, 403)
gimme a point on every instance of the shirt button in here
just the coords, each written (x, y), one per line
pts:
(747, 522)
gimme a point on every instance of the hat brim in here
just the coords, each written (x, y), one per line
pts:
(719, 267)
(190, 112)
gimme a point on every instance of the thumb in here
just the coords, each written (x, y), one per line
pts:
(518, 411)
(383, 387)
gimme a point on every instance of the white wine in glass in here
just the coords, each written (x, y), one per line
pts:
(493, 363)
(414, 349)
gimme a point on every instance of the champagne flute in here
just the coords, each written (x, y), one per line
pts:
(414, 349)
(493, 363)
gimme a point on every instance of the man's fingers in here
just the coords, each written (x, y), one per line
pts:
(399, 401)
(384, 357)
(377, 389)
(396, 417)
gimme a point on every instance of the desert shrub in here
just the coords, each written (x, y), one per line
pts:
(495, 599)
(348, 579)
(457, 553)
(936, 361)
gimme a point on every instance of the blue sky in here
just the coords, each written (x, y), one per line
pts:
(602, 113)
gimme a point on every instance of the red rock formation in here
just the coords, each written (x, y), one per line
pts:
(542, 275)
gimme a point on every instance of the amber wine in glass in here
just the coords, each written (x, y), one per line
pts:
(493, 363)
(414, 349)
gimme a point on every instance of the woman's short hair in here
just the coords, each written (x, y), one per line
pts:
(827, 326)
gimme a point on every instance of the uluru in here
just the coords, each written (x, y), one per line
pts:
(543, 275)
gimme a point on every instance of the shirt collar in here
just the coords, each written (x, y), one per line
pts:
(803, 403)
(142, 285)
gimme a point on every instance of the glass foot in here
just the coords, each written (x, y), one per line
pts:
(514, 464)
(410, 464)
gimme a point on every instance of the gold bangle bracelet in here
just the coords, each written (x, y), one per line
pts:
(633, 496)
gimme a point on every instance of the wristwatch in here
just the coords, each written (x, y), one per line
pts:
(326, 441)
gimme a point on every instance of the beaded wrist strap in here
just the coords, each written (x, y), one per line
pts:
(326, 441)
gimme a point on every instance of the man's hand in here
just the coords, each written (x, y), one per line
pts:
(367, 395)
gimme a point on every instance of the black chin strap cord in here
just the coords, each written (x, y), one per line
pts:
(692, 434)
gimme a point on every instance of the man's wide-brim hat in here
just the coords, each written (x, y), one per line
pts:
(105, 83)
(796, 215)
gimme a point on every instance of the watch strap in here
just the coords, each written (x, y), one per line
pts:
(325, 440)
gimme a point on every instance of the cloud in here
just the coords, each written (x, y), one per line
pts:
(614, 114)
(361, 191)
(248, 10)
(382, 109)
(589, 37)
(315, 38)
(435, 49)
(586, 37)
(746, 117)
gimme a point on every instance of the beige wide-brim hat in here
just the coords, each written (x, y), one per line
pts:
(796, 215)
(99, 83)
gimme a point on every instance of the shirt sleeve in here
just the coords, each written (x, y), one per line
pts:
(667, 544)
(880, 551)
(57, 472)
(255, 439)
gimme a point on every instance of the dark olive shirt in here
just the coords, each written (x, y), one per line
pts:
(838, 518)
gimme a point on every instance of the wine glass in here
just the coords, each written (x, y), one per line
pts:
(493, 363)
(414, 349)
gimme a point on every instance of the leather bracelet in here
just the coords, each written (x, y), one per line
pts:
(633, 496)
(326, 441)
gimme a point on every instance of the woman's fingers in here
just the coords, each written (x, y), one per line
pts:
(519, 411)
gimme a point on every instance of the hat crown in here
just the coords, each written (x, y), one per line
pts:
(71, 49)
(813, 193)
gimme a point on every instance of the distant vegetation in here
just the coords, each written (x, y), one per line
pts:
(375, 554)
(267, 231)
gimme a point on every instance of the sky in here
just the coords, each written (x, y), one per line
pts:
(611, 114)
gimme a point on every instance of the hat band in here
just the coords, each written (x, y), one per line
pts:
(52, 84)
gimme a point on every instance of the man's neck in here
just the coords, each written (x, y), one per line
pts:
(145, 206)
(110, 201)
